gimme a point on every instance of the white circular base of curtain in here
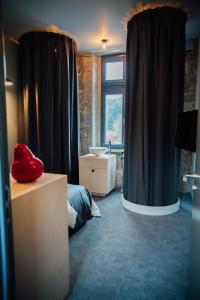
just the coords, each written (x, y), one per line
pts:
(151, 210)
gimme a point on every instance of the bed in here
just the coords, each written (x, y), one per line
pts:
(81, 207)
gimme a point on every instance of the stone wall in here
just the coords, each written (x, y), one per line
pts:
(89, 74)
(85, 96)
(119, 167)
(189, 104)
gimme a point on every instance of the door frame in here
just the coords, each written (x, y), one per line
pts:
(6, 239)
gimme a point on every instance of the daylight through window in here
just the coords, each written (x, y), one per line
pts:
(113, 91)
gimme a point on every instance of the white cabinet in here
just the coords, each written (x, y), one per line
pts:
(40, 233)
(98, 173)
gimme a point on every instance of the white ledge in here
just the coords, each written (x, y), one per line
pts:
(117, 150)
(151, 210)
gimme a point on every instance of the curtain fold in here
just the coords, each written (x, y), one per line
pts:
(48, 101)
(154, 96)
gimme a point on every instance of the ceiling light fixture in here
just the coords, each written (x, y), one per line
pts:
(104, 43)
(8, 82)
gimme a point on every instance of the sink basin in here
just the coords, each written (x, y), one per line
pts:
(98, 151)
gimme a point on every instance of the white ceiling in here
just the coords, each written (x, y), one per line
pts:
(87, 21)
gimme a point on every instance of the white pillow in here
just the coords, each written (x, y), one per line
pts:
(95, 210)
(72, 214)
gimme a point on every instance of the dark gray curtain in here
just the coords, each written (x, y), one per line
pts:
(48, 101)
(154, 97)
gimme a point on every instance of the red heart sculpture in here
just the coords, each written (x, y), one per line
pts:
(26, 167)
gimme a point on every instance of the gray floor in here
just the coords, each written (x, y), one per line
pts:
(124, 256)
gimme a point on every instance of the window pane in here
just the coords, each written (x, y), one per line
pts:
(113, 118)
(114, 70)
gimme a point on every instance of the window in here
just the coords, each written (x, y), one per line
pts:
(113, 92)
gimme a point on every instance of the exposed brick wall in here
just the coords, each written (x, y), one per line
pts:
(85, 96)
(89, 71)
(118, 171)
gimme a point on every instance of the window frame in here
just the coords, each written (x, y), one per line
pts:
(110, 87)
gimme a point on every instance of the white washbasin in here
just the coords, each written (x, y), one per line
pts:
(98, 151)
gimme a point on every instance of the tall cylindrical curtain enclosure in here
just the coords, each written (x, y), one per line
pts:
(154, 96)
(48, 101)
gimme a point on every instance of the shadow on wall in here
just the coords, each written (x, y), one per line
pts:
(11, 95)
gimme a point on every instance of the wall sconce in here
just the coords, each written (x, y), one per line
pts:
(104, 43)
(8, 82)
